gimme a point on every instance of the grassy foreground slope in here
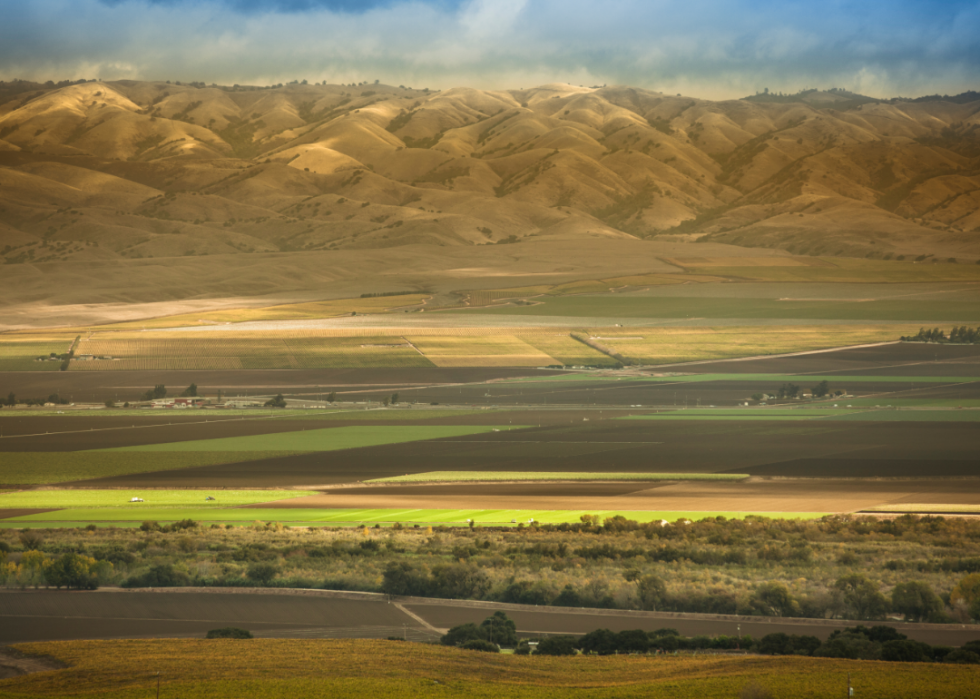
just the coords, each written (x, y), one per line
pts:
(277, 668)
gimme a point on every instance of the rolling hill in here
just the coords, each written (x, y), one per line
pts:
(96, 172)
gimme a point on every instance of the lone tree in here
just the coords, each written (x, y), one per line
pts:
(277, 402)
(821, 389)
(190, 391)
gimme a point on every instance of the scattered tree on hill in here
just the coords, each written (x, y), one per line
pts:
(332, 397)
(394, 398)
(110, 403)
(277, 402)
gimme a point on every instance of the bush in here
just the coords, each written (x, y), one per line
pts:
(262, 573)
(481, 645)
(163, 575)
(962, 656)
(600, 642)
(229, 632)
(557, 645)
(458, 635)
(905, 651)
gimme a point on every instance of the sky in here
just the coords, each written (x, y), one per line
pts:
(714, 49)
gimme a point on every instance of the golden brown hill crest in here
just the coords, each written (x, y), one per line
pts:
(141, 169)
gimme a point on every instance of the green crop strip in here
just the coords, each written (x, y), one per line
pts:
(322, 517)
(489, 476)
(39, 467)
(326, 439)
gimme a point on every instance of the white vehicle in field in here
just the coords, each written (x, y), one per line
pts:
(136, 499)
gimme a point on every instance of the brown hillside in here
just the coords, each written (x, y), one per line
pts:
(142, 170)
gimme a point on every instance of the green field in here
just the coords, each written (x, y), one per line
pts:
(403, 412)
(804, 413)
(326, 439)
(324, 517)
(616, 306)
(154, 499)
(40, 467)
(804, 380)
(487, 476)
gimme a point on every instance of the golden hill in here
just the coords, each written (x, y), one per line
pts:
(93, 172)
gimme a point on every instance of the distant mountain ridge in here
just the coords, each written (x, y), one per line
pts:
(127, 169)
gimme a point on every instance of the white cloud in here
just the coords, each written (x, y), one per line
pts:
(711, 48)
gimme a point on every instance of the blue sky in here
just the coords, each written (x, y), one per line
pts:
(705, 48)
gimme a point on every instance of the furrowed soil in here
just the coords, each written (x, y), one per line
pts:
(49, 615)
(881, 449)
(189, 613)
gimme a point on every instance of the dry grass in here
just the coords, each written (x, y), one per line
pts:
(352, 668)
(685, 344)
(293, 311)
(471, 351)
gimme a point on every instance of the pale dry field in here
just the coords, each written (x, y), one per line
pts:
(752, 495)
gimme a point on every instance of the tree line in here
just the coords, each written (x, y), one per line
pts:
(959, 335)
(855, 643)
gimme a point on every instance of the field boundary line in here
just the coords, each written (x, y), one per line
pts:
(419, 619)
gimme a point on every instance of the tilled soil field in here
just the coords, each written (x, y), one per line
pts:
(898, 359)
(98, 386)
(49, 615)
(54, 615)
(882, 449)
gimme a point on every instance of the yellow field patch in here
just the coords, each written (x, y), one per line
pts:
(330, 308)
(670, 345)
(493, 350)
(707, 262)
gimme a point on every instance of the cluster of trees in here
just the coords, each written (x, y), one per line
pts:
(277, 402)
(863, 643)
(858, 642)
(12, 400)
(959, 335)
(155, 393)
(792, 391)
(35, 568)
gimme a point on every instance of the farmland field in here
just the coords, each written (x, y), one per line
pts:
(626, 306)
(321, 440)
(198, 668)
(138, 513)
(18, 353)
(39, 467)
(463, 476)
(43, 499)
